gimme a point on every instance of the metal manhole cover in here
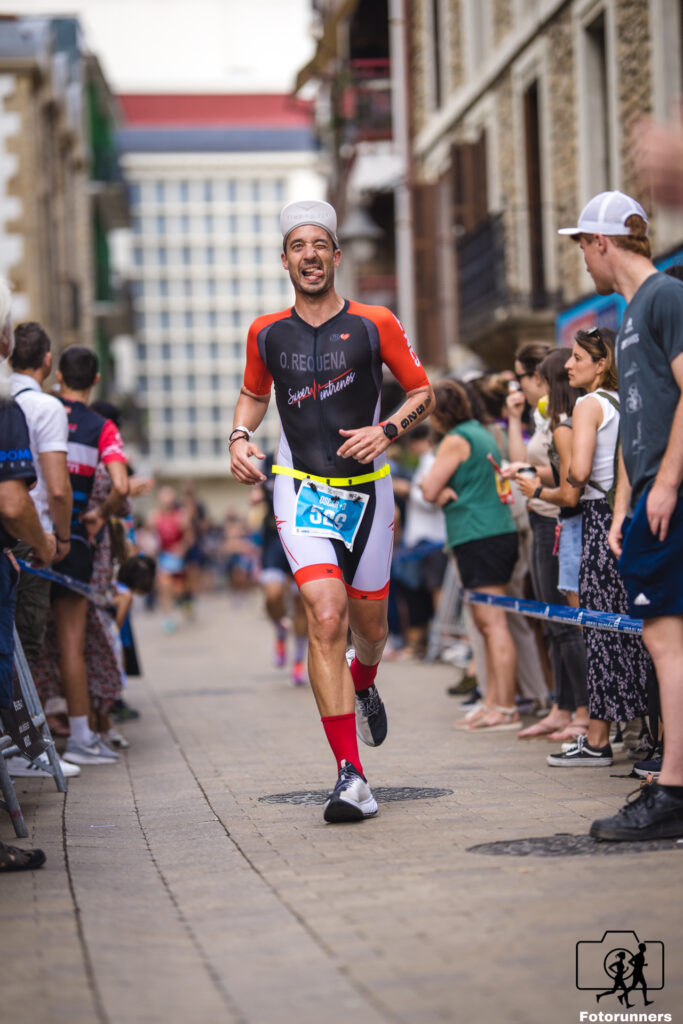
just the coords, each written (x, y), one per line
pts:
(566, 845)
(384, 794)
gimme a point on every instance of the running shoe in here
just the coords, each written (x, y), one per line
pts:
(96, 752)
(114, 738)
(299, 674)
(351, 799)
(654, 814)
(20, 768)
(582, 755)
(371, 717)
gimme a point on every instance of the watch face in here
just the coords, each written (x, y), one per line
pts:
(391, 430)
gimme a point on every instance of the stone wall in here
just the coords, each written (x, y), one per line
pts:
(634, 56)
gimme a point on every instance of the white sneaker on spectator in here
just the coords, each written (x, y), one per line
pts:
(96, 752)
(20, 768)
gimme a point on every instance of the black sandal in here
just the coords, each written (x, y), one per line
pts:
(14, 859)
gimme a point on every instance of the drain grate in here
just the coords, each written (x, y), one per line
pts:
(384, 794)
(563, 844)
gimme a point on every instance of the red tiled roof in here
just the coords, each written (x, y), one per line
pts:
(238, 109)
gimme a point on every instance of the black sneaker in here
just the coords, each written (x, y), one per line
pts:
(371, 717)
(122, 712)
(651, 765)
(582, 755)
(351, 799)
(653, 814)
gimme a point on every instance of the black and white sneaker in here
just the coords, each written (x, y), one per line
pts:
(351, 799)
(371, 717)
(582, 755)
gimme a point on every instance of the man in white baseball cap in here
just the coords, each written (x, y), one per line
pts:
(313, 211)
(647, 525)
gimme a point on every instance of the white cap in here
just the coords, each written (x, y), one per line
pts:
(606, 214)
(313, 211)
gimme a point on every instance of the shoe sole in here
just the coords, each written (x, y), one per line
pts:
(83, 759)
(338, 812)
(644, 774)
(557, 762)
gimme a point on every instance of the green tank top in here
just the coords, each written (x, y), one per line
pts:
(478, 513)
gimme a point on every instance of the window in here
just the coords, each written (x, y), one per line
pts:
(133, 194)
(141, 351)
(208, 224)
(217, 445)
(189, 350)
(140, 321)
(256, 191)
(232, 191)
(192, 414)
(210, 255)
(190, 382)
(184, 224)
(166, 350)
(165, 319)
(216, 413)
(597, 122)
(142, 383)
(216, 383)
(208, 191)
(163, 289)
(189, 318)
(256, 222)
(137, 256)
(279, 190)
(161, 225)
(159, 191)
(186, 255)
(210, 286)
(184, 192)
(187, 286)
(169, 447)
(213, 349)
(166, 384)
(162, 257)
(212, 320)
(168, 414)
(192, 446)
(258, 255)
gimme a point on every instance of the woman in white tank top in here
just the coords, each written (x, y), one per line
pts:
(617, 663)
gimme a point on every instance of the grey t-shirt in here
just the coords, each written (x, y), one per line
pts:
(649, 339)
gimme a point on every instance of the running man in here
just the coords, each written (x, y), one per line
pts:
(333, 497)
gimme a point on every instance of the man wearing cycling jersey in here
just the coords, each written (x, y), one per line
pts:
(333, 500)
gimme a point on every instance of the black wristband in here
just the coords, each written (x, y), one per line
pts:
(537, 492)
(240, 437)
(63, 540)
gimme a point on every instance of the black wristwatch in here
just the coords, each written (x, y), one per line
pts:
(537, 492)
(390, 430)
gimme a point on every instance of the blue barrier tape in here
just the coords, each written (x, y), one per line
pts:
(558, 612)
(67, 581)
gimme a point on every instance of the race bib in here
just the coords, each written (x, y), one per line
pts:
(330, 512)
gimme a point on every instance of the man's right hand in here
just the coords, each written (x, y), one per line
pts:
(63, 549)
(241, 468)
(615, 537)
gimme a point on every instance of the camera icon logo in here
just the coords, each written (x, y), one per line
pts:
(620, 964)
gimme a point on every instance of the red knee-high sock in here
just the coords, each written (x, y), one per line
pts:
(363, 675)
(341, 736)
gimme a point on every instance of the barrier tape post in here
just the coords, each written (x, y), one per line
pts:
(559, 613)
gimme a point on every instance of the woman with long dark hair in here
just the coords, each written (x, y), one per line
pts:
(617, 663)
(482, 535)
(571, 700)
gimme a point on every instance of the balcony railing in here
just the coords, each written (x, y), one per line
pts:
(365, 102)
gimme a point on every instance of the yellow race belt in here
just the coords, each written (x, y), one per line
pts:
(334, 481)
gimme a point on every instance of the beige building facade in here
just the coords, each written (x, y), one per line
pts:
(521, 111)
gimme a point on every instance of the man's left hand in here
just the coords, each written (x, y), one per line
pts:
(364, 444)
(661, 502)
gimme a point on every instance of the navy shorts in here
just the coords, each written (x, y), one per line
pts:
(650, 568)
(78, 564)
(488, 562)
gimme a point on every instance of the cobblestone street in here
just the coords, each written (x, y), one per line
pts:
(174, 892)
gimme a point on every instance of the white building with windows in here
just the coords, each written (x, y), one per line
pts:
(208, 176)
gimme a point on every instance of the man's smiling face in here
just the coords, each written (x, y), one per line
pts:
(311, 259)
